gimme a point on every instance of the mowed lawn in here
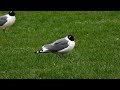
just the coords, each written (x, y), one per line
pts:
(95, 56)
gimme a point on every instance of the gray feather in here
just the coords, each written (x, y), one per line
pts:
(3, 20)
(57, 45)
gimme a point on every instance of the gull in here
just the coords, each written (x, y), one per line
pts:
(7, 20)
(62, 45)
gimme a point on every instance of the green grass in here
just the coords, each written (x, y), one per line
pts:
(95, 56)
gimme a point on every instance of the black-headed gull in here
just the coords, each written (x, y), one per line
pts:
(7, 20)
(61, 45)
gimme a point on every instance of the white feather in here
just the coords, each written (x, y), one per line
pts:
(71, 45)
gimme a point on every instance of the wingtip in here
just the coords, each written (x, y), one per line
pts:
(36, 52)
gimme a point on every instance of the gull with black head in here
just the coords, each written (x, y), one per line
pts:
(62, 45)
(7, 20)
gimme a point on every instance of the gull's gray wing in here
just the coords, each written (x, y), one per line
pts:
(57, 45)
(3, 20)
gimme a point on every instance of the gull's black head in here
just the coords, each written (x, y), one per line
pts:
(71, 37)
(11, 13)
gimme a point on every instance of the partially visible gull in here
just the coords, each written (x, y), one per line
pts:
(7, 20)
